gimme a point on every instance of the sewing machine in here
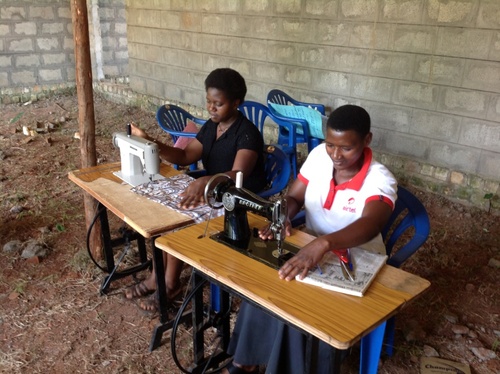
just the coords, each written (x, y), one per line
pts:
(140, 160)
(237, 234)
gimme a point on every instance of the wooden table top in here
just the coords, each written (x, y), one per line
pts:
(145, 216)
(338, 319)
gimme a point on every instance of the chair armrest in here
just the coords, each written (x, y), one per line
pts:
(182, 133)
(197, 173)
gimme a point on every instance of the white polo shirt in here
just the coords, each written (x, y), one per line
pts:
(330, 208)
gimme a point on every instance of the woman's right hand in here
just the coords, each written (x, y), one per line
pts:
(136, 131)
(307, 258)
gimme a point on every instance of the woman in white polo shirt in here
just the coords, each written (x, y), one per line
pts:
(348, 198)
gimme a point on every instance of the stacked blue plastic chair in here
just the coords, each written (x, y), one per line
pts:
(279, 97)
(173, 120)
(258, 113)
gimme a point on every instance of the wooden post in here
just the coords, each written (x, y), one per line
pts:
(86, 118)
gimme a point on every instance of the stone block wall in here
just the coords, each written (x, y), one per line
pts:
(37, 46)
(428, 71)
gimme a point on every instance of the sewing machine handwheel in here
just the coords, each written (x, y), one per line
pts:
(209, 191)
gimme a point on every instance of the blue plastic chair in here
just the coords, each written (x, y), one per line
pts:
(410, 217)
(277, 168)
(255, 112)
(258, 113)
(279, 97)
(173, 120)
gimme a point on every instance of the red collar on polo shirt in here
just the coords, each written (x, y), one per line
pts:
(354, 183)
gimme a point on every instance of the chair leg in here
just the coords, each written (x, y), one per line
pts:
(389, 336)
(371, 347)
(293, 162)
(313, 143)
(215, 297)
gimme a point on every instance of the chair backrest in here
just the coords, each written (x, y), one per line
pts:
(279, 97)
(173, 119)
(408, 224)
(278, 169)
(291, 130)
(255, 112)
(276, 166)
(258, 113)
(301, 127)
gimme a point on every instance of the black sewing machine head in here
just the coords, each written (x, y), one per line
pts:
(237, 234)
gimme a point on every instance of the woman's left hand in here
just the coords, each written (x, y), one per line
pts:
(193, 195)
(265, 233)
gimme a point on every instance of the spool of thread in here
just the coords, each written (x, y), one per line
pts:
(239, 179)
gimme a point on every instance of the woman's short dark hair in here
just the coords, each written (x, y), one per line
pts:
(228, 81)
(350, 117)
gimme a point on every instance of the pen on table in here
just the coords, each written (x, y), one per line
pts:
(349, 260)
(319, 269)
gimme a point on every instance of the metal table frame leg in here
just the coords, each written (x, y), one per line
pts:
(161, 294)
(109, 244)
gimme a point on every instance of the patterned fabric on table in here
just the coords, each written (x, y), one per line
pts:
(166, 192)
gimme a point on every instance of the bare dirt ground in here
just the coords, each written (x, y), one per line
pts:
(53, 320)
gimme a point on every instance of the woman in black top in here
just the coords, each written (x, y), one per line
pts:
(227, 143)
(219, 156)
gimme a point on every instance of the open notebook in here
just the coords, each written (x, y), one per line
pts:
(329, 273)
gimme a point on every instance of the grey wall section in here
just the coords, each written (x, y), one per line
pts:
(428, 71)
(37, 47)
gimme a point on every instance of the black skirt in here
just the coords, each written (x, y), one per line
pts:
(260, 339)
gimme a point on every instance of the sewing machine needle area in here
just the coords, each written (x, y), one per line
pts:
(265, 251)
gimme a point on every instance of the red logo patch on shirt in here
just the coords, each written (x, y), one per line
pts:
(349, 209)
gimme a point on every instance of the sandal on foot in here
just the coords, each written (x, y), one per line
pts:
(175, 298)
(149, 305)
(233, 369)
(137, 290)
